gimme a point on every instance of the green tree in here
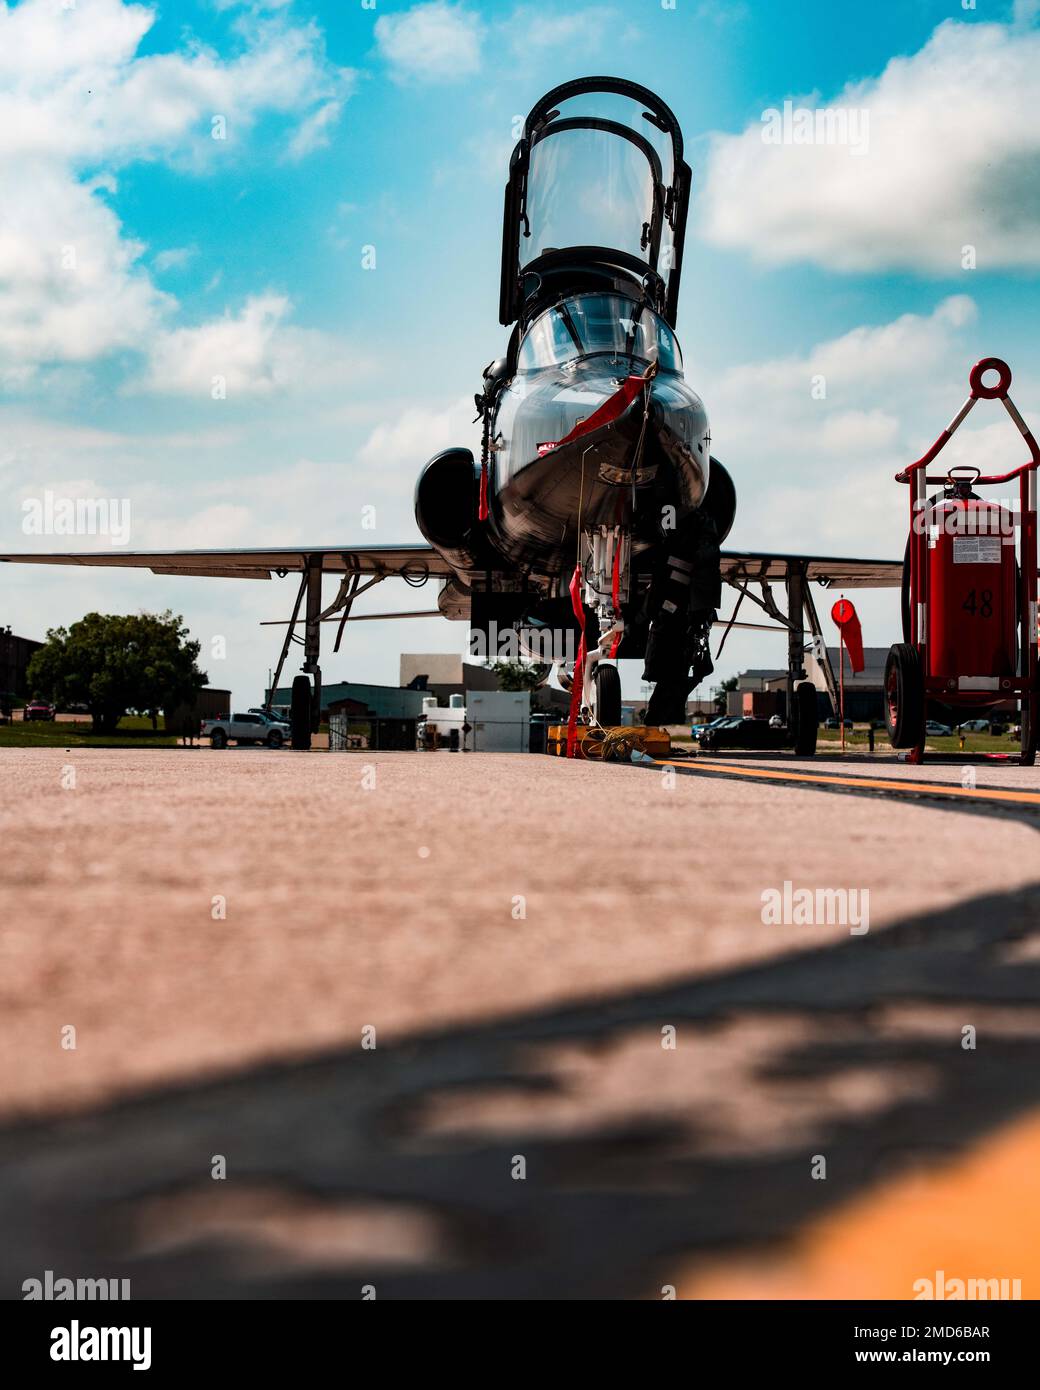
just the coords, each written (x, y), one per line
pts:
(720, 693)
(516, 675)
(113, 663)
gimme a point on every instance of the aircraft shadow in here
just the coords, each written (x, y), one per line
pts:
(633, 1171)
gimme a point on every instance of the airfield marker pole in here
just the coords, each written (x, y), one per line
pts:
(841, 684)
(850, 635)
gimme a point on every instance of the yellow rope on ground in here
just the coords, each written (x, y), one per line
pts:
(618, 744)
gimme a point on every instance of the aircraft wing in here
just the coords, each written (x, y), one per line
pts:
(409, 560)
(740, 566)
(749, 566)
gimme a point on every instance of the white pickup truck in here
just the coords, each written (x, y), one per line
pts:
(254, 727)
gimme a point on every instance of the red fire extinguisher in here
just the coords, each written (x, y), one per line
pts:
(970, 634)
(972, 573)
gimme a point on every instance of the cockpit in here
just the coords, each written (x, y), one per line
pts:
(598, 324)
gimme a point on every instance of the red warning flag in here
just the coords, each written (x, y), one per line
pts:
(610, 410)
(847, 619)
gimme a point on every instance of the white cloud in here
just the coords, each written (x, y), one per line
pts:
(436, 42)
(315, 132)
(818, 476)
(817, 473)
(400, 449)
(953, 160)
(175, 258)
(529, 29)
(250, 4)
(74, 88)
(78, 102)
(32, 447)
(71, 288)
(440, 41)
(254, 353)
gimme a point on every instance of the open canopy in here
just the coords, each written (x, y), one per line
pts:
(597, 182)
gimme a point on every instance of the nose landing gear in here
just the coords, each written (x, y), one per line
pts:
(606, 589)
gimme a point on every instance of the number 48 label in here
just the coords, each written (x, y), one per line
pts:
(979, 603)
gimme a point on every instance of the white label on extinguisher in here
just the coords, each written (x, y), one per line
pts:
(976, 550)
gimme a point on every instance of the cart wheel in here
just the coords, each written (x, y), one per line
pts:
(904, 697)
(806, 719)
(607, 680)
(1030, 730)
(301, 713)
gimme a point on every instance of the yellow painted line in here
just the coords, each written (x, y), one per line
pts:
(825, 779)
(922, 1235)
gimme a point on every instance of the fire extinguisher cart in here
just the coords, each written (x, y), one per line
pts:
(969, 593)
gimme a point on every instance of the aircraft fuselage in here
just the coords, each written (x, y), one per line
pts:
(549, 482)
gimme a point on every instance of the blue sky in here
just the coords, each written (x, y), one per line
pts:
(389, 126)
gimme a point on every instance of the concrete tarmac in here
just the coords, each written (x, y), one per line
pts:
(556, 961)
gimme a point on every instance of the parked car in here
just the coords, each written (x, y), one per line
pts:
(38, 711)
(697, 729)
(834, 723)
(718, 723)
(272, 717)
(744, 733)
(974, 726)
(245, 728)
(937, 730)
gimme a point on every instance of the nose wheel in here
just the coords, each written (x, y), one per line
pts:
(606, 683)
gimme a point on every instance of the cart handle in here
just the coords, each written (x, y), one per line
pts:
(989, 393)
(980, 392)
(976, 473)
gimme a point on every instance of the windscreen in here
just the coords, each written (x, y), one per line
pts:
(598, 323)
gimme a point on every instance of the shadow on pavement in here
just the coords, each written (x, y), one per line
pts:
(394, 1167)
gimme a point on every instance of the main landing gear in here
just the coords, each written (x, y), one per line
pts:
(305, 715)
(603, 585)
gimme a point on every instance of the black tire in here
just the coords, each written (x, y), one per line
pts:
(274, 739)
(806, 719)
(904, 697)
(218, 739)
(301, 713)
(607, 680)
(1030, 730)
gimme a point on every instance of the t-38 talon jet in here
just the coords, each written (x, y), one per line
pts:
(596, 509)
